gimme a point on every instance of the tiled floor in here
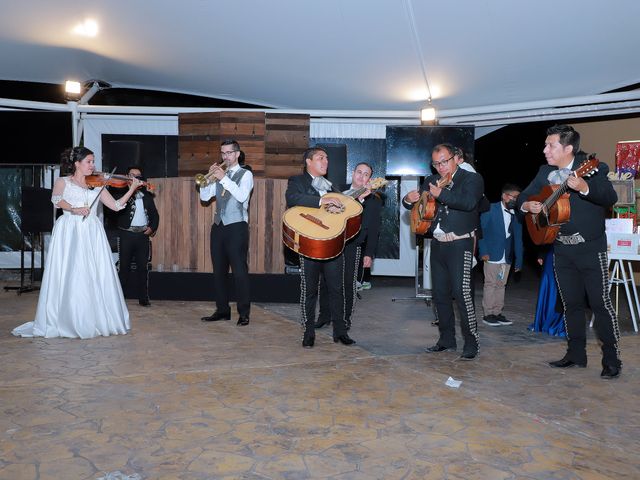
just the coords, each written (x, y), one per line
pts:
(181, 399)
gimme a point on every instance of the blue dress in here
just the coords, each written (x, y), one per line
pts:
(547, 319)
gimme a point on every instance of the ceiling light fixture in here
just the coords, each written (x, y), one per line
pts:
(428, 113)
(87, 28)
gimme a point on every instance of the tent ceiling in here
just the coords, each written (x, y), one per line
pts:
(331, 54)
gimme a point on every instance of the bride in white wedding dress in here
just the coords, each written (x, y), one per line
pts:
(80, 295)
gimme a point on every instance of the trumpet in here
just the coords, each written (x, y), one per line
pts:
(204, 179)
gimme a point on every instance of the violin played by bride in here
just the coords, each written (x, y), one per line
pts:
(101, 179)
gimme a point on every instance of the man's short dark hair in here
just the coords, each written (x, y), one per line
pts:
(567, 136)
(510, 187)
(231, 141)
(137, 167)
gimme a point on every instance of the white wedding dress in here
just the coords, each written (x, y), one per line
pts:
(80, 295)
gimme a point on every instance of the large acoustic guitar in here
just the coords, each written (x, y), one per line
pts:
(543, 227)
(424, 210)
(320, 233)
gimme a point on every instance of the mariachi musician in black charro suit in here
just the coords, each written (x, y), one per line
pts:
(454, 229)
(580, 248)
(137, 223)
(308, 190)
(360, 250)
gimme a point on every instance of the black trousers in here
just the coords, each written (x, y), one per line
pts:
(583, 269)
(352, 261)
(135, 246)
(229, 247)
(333, 272)
(451, 264)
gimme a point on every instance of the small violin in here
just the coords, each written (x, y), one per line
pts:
(100, 179)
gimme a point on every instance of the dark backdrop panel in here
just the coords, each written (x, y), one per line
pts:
(374, 152)
(337, 171)
(157, 154)
(34, 137)
(37, 210)
(409, 148)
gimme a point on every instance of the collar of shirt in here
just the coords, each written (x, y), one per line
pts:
(570, 165)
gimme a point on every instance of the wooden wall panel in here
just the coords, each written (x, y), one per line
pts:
(272, 142)
(286, 139)
(185, 223)
(200, 135)
(198, 142)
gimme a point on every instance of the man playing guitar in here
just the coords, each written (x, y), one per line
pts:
(580, 249)
(453, 229)
(311, 189)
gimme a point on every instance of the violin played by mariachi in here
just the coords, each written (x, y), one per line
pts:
(100, 179)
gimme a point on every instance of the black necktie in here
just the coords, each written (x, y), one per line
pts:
(509, 253)
(510, 229)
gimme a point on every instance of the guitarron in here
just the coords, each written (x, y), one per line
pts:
(543, 227)
(320, 233)
(424, 210)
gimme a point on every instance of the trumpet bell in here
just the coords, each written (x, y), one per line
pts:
(201, 180)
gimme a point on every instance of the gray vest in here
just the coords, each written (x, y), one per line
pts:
(228, 209)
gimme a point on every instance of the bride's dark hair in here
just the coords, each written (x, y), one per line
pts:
(69, 158)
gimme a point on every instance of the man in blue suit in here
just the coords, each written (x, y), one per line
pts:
(499, 248)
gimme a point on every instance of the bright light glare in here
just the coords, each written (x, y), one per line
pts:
(72, 87)
(428, 114)
(88, 28)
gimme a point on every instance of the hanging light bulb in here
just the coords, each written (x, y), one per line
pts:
(428, 113)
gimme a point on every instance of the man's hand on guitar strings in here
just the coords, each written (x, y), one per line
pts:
(331, 201)
(364, 195)
(413, 196)
(434, 190)
(532, 206)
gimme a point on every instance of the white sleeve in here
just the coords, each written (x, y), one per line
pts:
(208, 192)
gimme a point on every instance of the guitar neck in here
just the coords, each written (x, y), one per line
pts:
(358, 192)
(556, 194)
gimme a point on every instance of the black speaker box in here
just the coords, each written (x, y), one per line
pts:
(337, 172)
(37, 210)
(157, 154)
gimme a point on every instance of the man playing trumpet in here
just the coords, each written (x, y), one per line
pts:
(230, 231)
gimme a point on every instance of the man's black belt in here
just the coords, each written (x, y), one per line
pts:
(134, 229)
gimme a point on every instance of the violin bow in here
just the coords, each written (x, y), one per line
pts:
(97, 196)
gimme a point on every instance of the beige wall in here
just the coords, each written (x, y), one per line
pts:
(601, 137)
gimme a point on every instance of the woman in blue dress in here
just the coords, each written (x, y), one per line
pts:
(549, 311)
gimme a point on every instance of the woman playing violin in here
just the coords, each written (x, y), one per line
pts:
(80, 295)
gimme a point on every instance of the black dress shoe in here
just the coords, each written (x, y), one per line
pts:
(144, 302)
(215, 316)
(344, 339)
(307, 342)
(566, 363)
(323, 322)
(243, 320)
(609, 371)
(468, 356)
(439, 348)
